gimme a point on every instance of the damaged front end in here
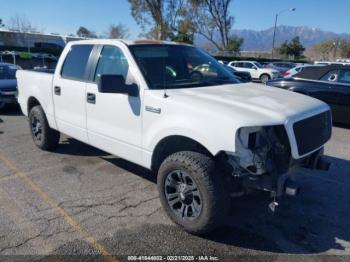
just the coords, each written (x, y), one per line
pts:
(263, 161)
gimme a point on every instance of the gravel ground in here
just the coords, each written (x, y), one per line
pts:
(81, 201)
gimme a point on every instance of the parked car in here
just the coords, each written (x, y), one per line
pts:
(206, 136)
(242, 76)
(297, 69)
(282, 67)
(330, 84)
(331, 63)
(8, 84)
(223, 62)
(256, 70)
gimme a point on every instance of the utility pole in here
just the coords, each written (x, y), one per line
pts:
(292, 9)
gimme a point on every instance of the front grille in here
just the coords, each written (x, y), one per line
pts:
(311, 133)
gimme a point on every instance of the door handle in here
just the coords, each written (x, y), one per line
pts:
(91, 98)
(57, 90)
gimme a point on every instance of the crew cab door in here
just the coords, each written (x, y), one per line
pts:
(113, 119)
(69, 86)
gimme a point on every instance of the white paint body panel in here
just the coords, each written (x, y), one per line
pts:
(122, 126)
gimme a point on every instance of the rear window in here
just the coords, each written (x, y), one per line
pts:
(74, 66)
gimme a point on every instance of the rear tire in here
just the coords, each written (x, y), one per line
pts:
(264, 78)
(192, 192)
(43, 136)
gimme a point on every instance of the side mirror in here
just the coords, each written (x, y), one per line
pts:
(255, 68)
(115, 84)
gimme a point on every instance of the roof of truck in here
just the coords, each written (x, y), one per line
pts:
(128, 42)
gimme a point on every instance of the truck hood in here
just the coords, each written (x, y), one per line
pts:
(251, 103)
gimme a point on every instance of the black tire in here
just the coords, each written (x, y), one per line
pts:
(43, 136)
(213, 197)
(264, 78)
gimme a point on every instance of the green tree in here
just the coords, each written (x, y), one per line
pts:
(1, 24)
(150, 13)
(324, 49)
(284, 49)
(213, 21)
(234, 44)
(118, 31)
(332, 49)
(344, 47)
(292, 48)
(182, 31)
(163, 19)
(86, 33)
(180, 20)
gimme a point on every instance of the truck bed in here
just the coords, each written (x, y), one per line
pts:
(31, 82)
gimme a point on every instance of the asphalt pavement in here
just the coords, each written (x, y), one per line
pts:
(79, 200)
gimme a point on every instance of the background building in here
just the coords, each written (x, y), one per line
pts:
(32, 49)
(29, 40)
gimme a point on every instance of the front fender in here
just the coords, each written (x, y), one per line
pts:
(212, 138)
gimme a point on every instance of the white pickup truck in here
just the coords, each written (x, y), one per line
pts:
(207, 137)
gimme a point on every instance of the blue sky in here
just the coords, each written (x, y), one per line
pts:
(65, 16)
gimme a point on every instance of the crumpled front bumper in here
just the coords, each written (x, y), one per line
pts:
(279, 184)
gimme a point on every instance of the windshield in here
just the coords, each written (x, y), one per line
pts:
(7, 72)
(179, 66)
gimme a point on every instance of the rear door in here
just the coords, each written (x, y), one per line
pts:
(69, 92)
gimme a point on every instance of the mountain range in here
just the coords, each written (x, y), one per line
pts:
(262, 40)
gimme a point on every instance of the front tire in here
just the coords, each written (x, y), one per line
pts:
(264, 78)
(192, 192)
(43, 136)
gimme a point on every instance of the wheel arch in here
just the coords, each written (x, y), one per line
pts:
(32, 102)
(172, 144)
(265, 73)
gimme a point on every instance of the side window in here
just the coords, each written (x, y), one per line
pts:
(299, 69)
(76, 61)
(331, 76)
(111, 62)
(344, 76)
(239, 64)
(248, 65)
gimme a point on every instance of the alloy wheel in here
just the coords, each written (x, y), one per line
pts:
(36, 128)
(183, 195)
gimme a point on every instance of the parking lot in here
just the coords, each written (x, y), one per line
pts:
(79, 200)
